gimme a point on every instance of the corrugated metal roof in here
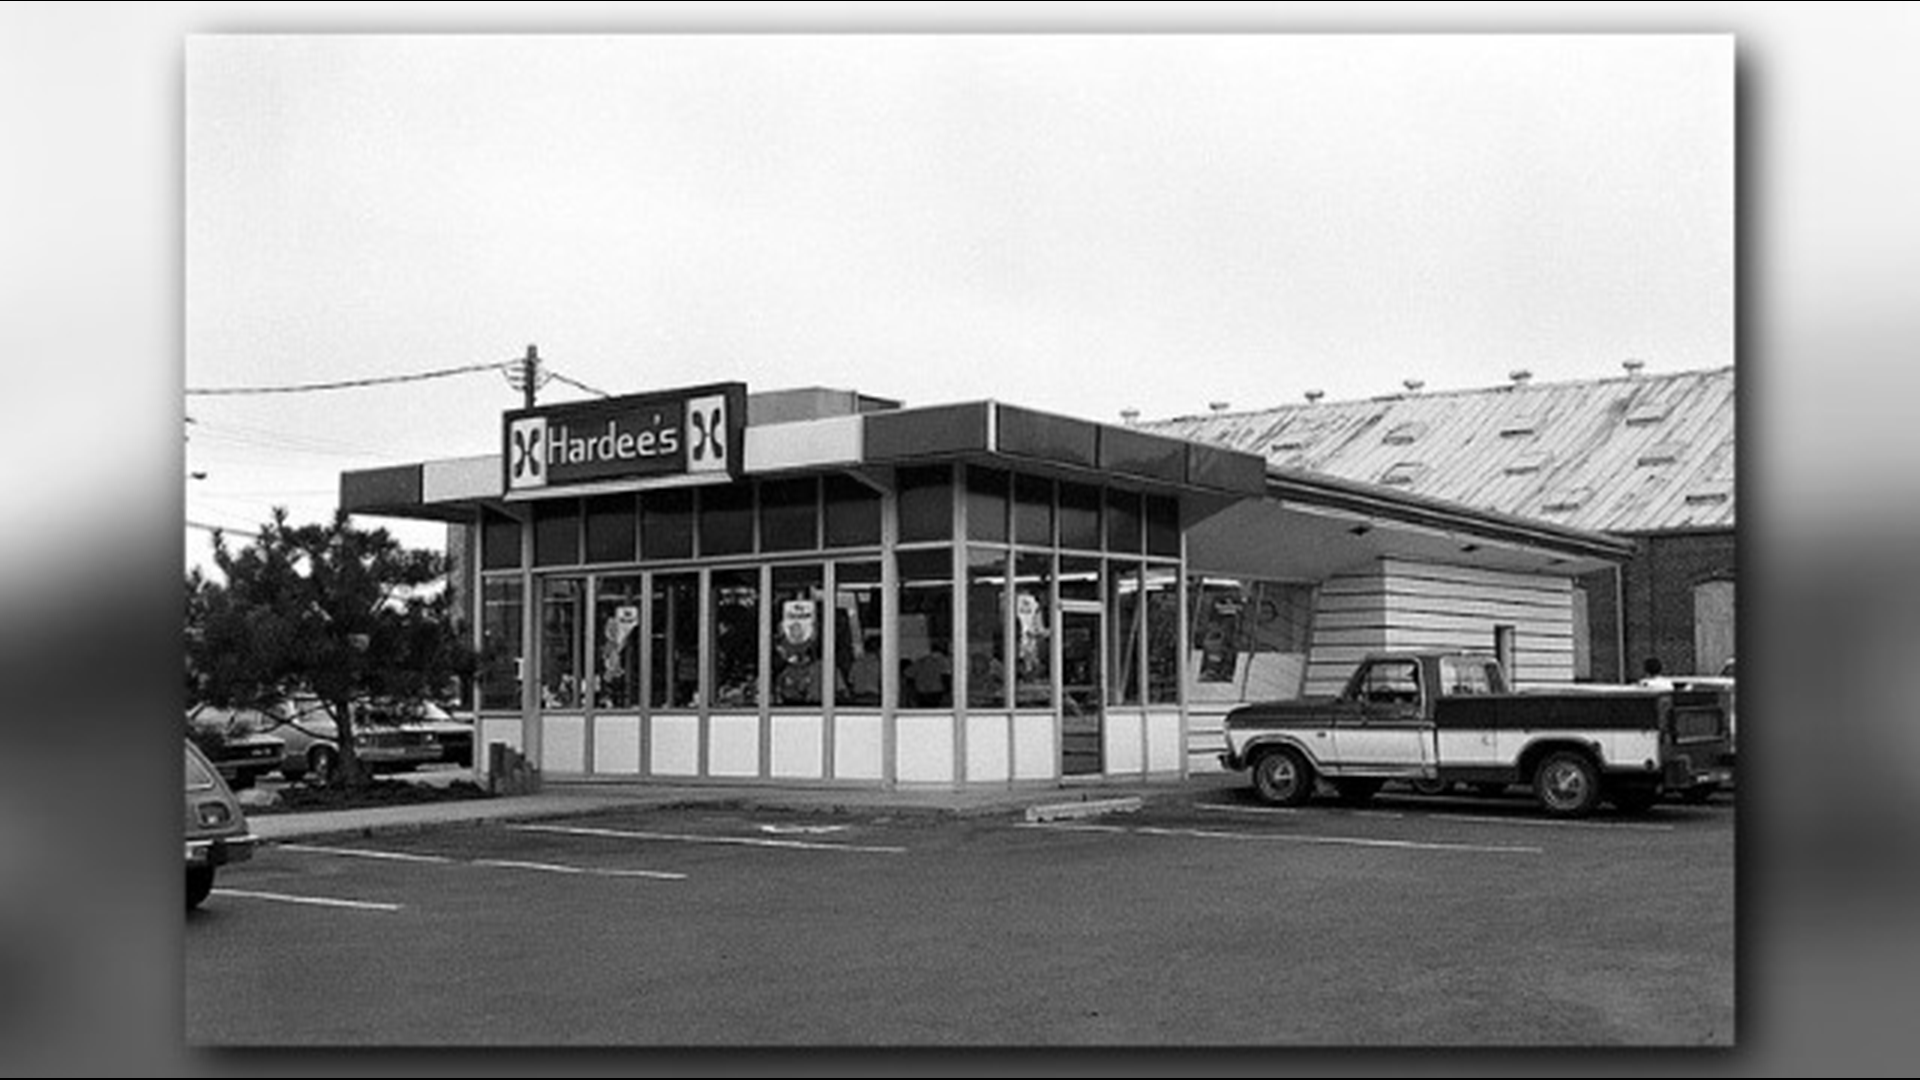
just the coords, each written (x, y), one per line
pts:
(1633, 454)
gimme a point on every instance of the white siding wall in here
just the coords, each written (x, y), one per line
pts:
(1408, 605)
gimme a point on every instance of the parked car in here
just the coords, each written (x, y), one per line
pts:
(452, 734)
(216, 827)
(236, 742)
(381, 741)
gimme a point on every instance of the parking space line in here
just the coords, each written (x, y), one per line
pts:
(1332, 841)
(557, 868)
(315, 901)
(1232, 809)
(689, 838)
(1487, 819)
(363, 853)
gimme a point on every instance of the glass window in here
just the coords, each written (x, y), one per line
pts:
(562, 622)
(612, 525)
(726, 519)
(1163, 526)
(1394, 682)
(986, 628)
(1460, 675)
(926, 503)
(796, 643)
(1247, 639)
(986, 504)
(499, 541)
(676, 641)
(1080, 517)
(790, 515)
(1160, 590)
(501, 658)
(617, 602)
(1080, 578)
(853, 513)
(1033, 631)
(1127, 622)
(556, 532)
(856, 651)
(735, 647)
(666, 524)
(925, 629)
(1123, 522)
(1032, 510)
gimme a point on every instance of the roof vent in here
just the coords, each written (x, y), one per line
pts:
(1518, 425)
(1708, 496)
(1404, 474)
(1219, 406)
(1404, 434)
(1531, 462)
(1520, 376)
(1413, 385)
(1661, 453)
(1633, 366)
(1646, 413)
(1567, 499)
(1129, 417)
(1315, 395)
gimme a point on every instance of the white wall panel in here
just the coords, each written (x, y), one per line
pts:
(675, 748)
(923, 749)
(1124, 754)
(858, 747)
(799, 747)
(1164, 749)
(733, 746)
(564, 744)
(1035, 754)
(987, 750)
(616, 745)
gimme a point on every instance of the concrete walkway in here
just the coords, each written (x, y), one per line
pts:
(585, 797)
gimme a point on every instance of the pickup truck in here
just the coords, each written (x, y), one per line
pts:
(1438, 717)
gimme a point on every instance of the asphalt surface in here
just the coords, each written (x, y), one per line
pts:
(1182, 915)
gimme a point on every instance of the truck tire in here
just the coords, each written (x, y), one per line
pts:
(1282, 777)
(1428, 786)
(1567, 784)
(199, 885)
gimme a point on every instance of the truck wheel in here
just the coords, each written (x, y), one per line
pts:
(1283, 777)
(199, 885)
(1567, 784)
(1426, 786)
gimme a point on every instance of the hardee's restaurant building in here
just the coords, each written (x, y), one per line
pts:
(820, 587)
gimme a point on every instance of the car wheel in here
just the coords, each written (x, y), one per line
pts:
(1426, 786)
(199, 885)
(1567, 784)
(324, 763)
(1634, 798)
(1283, 777)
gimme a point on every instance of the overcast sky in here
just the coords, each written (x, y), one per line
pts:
(1077, 223)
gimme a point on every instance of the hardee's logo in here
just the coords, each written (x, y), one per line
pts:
(527, 453)
(707, 434)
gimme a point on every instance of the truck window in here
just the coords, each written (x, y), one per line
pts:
(1391, 681)
(1466, 675)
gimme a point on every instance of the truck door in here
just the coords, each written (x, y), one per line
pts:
(1384, 727)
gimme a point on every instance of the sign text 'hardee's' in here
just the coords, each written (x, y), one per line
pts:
(672, 435)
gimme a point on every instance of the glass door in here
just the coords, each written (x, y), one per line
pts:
(616, 621)
(1082, 689)
(562, 629)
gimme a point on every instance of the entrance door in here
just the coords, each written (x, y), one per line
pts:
(1082, 679)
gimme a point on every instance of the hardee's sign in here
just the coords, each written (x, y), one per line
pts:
(675, 436)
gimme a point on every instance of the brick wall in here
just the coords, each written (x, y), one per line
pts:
(1658, 587)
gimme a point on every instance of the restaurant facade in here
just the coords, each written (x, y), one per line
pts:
(826, 588)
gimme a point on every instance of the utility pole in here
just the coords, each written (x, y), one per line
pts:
(529, 373)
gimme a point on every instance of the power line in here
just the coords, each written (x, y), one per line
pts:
(346, 384)
(557, 377)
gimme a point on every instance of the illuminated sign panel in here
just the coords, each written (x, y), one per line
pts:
(642, 440)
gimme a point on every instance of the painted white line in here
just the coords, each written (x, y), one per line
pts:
(556, 868)
(363, 853)
(1227, 808)
(316, 901)
(1632, 826)
(1332, 841)
(684, 838)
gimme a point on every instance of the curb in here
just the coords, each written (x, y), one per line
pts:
(1084, 809)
